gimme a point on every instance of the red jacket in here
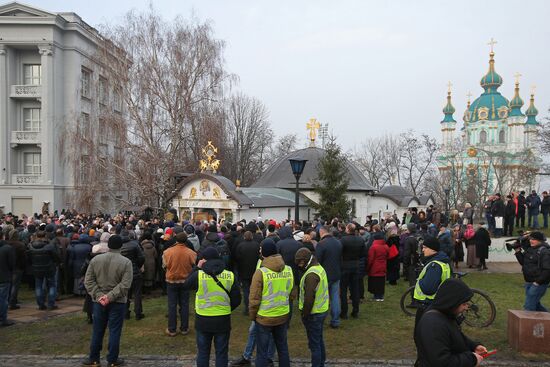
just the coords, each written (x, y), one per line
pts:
(378, 256)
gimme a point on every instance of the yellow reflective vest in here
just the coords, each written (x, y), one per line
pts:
(211, 299)
(321, 302)
(276, 291)
(445, 274)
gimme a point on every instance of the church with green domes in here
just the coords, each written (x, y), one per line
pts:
(495, 150)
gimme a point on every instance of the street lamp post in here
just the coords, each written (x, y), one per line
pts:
(297, 164)
(447, 192)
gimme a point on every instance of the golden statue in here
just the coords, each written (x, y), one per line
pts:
(313, 125)
(209, 163)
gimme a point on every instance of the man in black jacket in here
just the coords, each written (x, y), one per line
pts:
(545, 208)
(509, 216)
(132, 250)
(44, 258)
(535, 266)
(246, 257)
(438, 338)
(522, 205)
(329, 255)
(7, 267)
(353, 248)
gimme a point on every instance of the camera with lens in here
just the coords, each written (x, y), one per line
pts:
(522, 241)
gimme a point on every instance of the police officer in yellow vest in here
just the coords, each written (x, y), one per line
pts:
(313, 303)
(270, 292)
(435, 272)
(217, 295)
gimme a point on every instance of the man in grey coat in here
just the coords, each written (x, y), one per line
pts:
(108, 279)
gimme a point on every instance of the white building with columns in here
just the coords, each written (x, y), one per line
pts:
(50, 89)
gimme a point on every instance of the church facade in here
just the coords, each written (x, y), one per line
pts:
(495, 149)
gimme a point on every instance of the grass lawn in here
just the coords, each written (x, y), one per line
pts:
(382, 330)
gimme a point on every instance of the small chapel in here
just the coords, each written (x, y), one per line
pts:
(207, 195)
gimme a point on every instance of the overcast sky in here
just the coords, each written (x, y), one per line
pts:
(363, 67)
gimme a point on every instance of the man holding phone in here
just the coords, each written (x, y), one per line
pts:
(438, 337)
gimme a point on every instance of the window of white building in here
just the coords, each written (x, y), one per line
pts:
(118, 157)
(84, 169)
(502, 137)
(483, 137)
(31, 119)
(32, 74)
(84, 128)
(85, 83)
(103, 91)
(117, 100)
(32, 163)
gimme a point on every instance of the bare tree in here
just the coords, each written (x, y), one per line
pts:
(379, 160)
(404, 159)
(284, 145)
(247, 137)
(170, 79)
(417, 159)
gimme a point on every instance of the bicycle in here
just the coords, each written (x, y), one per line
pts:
(481, 313)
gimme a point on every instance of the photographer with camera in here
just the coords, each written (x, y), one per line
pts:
(535, 266)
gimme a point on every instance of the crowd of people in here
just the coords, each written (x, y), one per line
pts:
(266, 263)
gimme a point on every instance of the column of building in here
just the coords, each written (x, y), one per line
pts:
(47, 125)
(4, 142)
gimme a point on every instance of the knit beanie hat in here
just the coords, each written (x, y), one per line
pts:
(432, 242)
(268, 247)
(303, 254)
(115, 242)
(210, 253)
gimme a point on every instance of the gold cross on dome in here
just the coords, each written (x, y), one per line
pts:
(469, 95)
(492, 43)
(533, 89)
(449, 85)
(313, 125)
(517, 76)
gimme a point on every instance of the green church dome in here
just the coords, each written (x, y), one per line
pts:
(491, 81)
(449, 109)
(516, 103)
(532, 112)
(490, 105)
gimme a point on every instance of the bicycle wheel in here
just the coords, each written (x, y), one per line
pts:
(406, 302)
(482, 310)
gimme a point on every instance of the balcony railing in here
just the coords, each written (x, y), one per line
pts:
(22, 179)
(26, 91)
(25, 137)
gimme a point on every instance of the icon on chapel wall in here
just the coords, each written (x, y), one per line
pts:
(210, 163)
(204, 187)
(193, 193)
(216, 193)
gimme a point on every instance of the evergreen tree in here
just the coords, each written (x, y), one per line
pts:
(332, 184)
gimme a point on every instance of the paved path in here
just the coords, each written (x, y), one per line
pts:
(184, 361)
(29, 311)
